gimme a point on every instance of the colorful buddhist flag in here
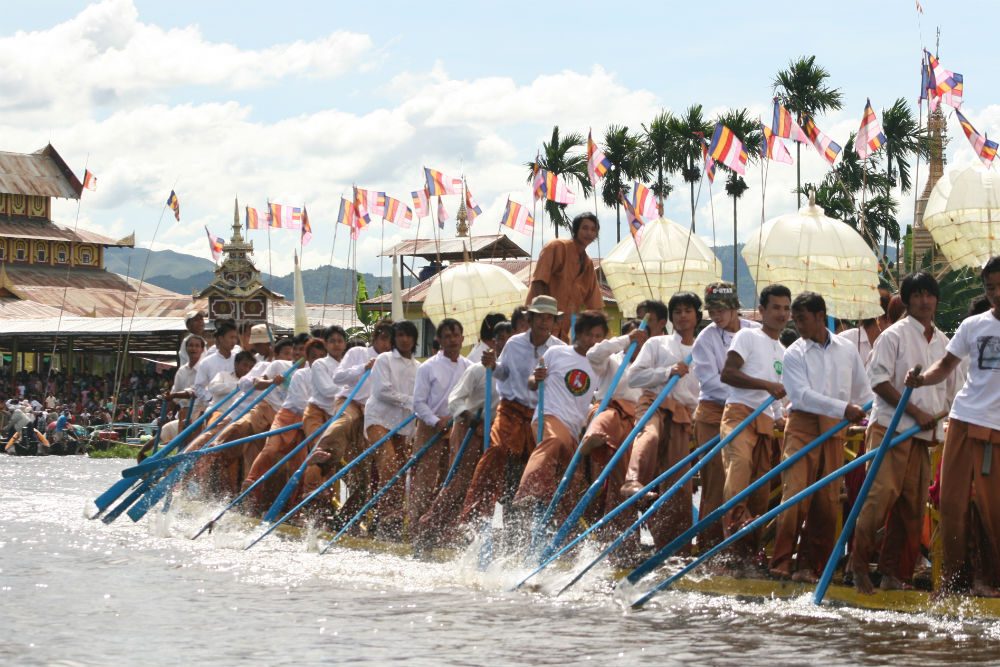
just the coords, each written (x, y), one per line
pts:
(538, 181)
(784, 126)
(727, 148)
(826, 146)
(361, 205)
(985, 149)
(254, 219)
(598, 163)
(284, 216)
(517, 217)
(556, 189)
(373, 202)
(927, 85)
(397, 213)
(90, 181)
(421, 202)
(772, 147)
(307, 232)
(870, 135)
(442, 214)
(644, 203)
(709, 162)
(635, 221)
(471, 207)
(948, 86)
(215, 245)
(439, 184)
(175, 205)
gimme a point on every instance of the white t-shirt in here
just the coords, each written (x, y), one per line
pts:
(978, 401)
(569, 387)
(277, 396)
(762, 359)
(299, 390)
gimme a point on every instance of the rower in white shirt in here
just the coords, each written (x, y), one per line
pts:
(826, 382)
(214, 362)
(486, 338)
(323, 401)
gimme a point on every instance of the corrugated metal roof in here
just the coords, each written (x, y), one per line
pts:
(43, 173)
(11, 308)
(98, 326)
(49, 231)
(318, 316)
(454, 249)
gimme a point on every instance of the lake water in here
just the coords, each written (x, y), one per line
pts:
(78, 592)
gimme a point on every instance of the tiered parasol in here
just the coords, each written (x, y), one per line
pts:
(470, 291)
(963, 216)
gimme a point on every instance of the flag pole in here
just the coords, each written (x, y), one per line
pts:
(381, 250)
(437, 247)
(687, 246)
(765, 167)
(329, 267)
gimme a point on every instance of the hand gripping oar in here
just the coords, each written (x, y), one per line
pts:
(578, 454)
(149, 466)
(296, 478)
(157, 492)
(669, 493)
(488, 409)
(767, 516)
(625, 504)
(461, 451)
(335, 478)
(859, 502)
(388, 485)
(685, 538)
(113, 493)
(595, 487)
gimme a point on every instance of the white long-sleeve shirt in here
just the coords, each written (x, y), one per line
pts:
(824, 379)
(324, 390)
(605, 358)
(277, 368)
(476, 353)
(299, 390)
(708, 358)
(208, 367)
(221, 386)
(350, 370)
(858, 338)
(434, 381)
(391, 400)
(183, 380)
(516, 364)
(651, 369)
(898, 349)
(469, 393)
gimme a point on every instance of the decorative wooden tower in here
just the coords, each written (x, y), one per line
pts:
(237, 291)
(938, 141)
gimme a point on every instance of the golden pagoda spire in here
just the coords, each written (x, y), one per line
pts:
(461, 218)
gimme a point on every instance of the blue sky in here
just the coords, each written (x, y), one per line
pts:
(295, 101)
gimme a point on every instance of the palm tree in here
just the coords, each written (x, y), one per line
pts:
(748, 131)
(625, 151)
(685, 146)
(903, 138)
(658, 146)
(558, 156)
(803, 91)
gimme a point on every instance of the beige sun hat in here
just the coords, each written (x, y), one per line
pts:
(544, 305)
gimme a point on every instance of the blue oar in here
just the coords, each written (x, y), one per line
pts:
(598, 483)
(578, 454)
(685, 538)
(669, 493)
(488, 409)
(859, 502)
(461, 451)
(158, 491)
(388, 485)
(293, 481)
(767, 516)
(625, 504)
(335, 478)
(159, 426)
(116, 490)
(149, 466)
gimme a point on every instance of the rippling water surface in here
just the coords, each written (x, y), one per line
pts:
(78, 592)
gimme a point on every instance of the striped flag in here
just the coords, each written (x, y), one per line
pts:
(985, 149)
(948, 85)
(870, 135)
(556, 189)
(421, 202)
(644, 203)
(348, 215)
(471, 207)
(538, 181)
(728, 149)
(927, 85)
(784, 126)
(90, 181)
(826, 146)
(772, 147)
(709, 162)
(439, 184)
(442, 214)
(215, 245)
(284, 216)
(373, 202)
(597, 162)
(516, 217)
(361, 205)
(397, 213)
(307, 231)
(174, 203)
(635, 221)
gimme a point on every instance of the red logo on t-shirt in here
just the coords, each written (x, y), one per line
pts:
(577, 382)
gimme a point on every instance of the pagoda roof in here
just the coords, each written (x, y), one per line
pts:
(43, 174)
(44, 230)
(455, 249)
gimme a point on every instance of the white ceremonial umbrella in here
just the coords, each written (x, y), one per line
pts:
(301, 318)
(810, 251)
(963, 216)
(662, 249)
(469, 291)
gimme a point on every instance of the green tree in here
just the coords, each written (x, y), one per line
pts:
(802, 89)
(748, 131)
(904, 139)
(686, 132)
(625, 151)
(560, 155)
(658, 147)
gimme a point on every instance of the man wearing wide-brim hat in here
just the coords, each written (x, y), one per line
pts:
(512, 437)
(565, 272)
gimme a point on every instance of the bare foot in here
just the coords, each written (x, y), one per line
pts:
(863, 582)
(782, 573)
(891, 583)
(805, 577)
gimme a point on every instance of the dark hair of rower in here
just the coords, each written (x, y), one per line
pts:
(684, 299)
(447, 324)
(588, 319)
(316, 346)
(920, 281)
(992, 265)
(301, 339)
(978, 305)
(404, 328)
(282, 344)
(518, 315)
(628, 326)
(773, 290)
(382, 328)
(578, 221)
(502, 328)
(334, 329)
(244, 356)
(810, 302)
(655, 306)
(223, 327)
(490, 321)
